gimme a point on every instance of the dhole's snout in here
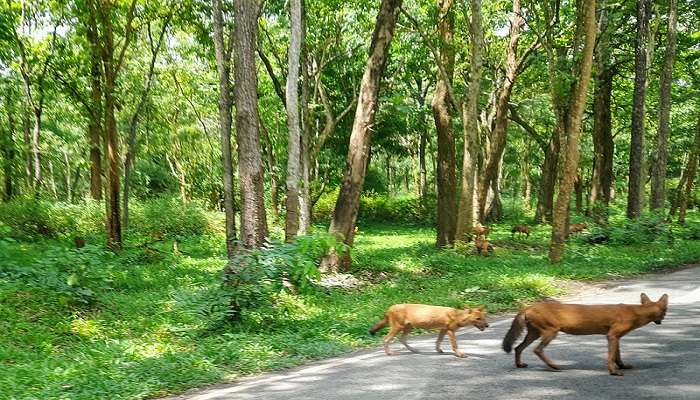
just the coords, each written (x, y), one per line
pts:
(482, 326)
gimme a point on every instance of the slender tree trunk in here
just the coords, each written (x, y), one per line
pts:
(636, 174)
(223, 67)
(423, 180)
(573, 131)
(294, 167)
(347, 205)
(250, 167)
(602, 136)
(305, 196)
(690, 171)
(470, 123)
(498, 135)
(578, 189)
(658, 175)
(95, 133)
(446, 200)
(36, 149)
(548, 178)
(8, 149)
(133, 125)
(66, 172)
(26, 136)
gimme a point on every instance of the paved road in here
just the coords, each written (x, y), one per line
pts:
(666, 359)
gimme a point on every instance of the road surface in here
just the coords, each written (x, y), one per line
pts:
(666, 359)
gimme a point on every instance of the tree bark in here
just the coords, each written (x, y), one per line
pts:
(497, 136)
(223, 68)
(294, 167)
(636, 174)
(690, 171)
(305, 205)
(250, 167)
(7, 146)
(95, 133)
(470, 123)
(348, 202)
(573, 131)
(131, 138)
(603, 146)
(548, 179)
(658, 174)
(446, 196)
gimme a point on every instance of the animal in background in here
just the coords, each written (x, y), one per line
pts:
(577, 228)
(521, 230)
(545, 320)
(482, 247)
(404, 317)
(481, 231)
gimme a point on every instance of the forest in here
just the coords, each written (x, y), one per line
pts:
(196, 190)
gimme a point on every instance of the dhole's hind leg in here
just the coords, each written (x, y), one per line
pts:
(441, 336)
(532, 335)
(389, 337)
(547, 336)
(618, 359)
(403, 338)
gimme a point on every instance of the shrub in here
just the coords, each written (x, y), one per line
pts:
(406, 209)
(168, 217)
(29, 218)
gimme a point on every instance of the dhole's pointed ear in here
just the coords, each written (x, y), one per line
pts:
(645, 299)
(466, 307)
(663, 301)
(481, 308)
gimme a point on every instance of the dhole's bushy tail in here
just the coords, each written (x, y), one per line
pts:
(379, 325)
(516, 328)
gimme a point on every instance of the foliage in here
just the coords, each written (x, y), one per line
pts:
(377, 208)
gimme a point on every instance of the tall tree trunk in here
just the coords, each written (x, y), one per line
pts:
(636, 174)
(294, 167)
(690, 171)
(470, 123)
(347, 205)
(423, 179)
(223, 68)
(26, 137)
(7, 146)
(497, 136)
(250, 167)
(133, 125)
(36, 149)
(573, 131)
(446, 200)
(95, 133)
(603, 145)
(548, 179)
(305, 195)
(658, 174)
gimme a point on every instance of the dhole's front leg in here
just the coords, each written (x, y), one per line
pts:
(614, 360)
(453, 342)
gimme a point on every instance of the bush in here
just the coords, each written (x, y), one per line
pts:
(255, 279)
(375, 207)
(29, 218)
(647, 228)
(168, 218)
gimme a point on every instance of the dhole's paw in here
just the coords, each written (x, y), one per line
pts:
(625, 366)
(460, 354)
(521, 365)
(617, 373)
(439, 351)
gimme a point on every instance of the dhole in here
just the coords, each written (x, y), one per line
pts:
(482, 247)
(405, 317)
(580, 227)
(482, 231)
(545, 320)
(521, 229)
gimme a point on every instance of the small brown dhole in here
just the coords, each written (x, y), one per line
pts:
(405, 317)
(545, 320)
(521, 229)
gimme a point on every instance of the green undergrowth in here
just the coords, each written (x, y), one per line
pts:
(147, 325)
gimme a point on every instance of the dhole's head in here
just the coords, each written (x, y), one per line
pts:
(659, 307)
(474, 316)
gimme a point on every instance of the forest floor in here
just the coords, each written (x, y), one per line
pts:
(145, 329)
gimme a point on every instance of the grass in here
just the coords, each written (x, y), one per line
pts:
(140, 338)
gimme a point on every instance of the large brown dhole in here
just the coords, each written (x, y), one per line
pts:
(545, 320)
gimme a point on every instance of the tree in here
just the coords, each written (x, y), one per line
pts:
(573, 131)
(348, 202)
(470, 122)
(223, 67)
(658, 174)
(294, 161)
(446, 201)
(690, 172)
(250, 167)
(636, 179)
